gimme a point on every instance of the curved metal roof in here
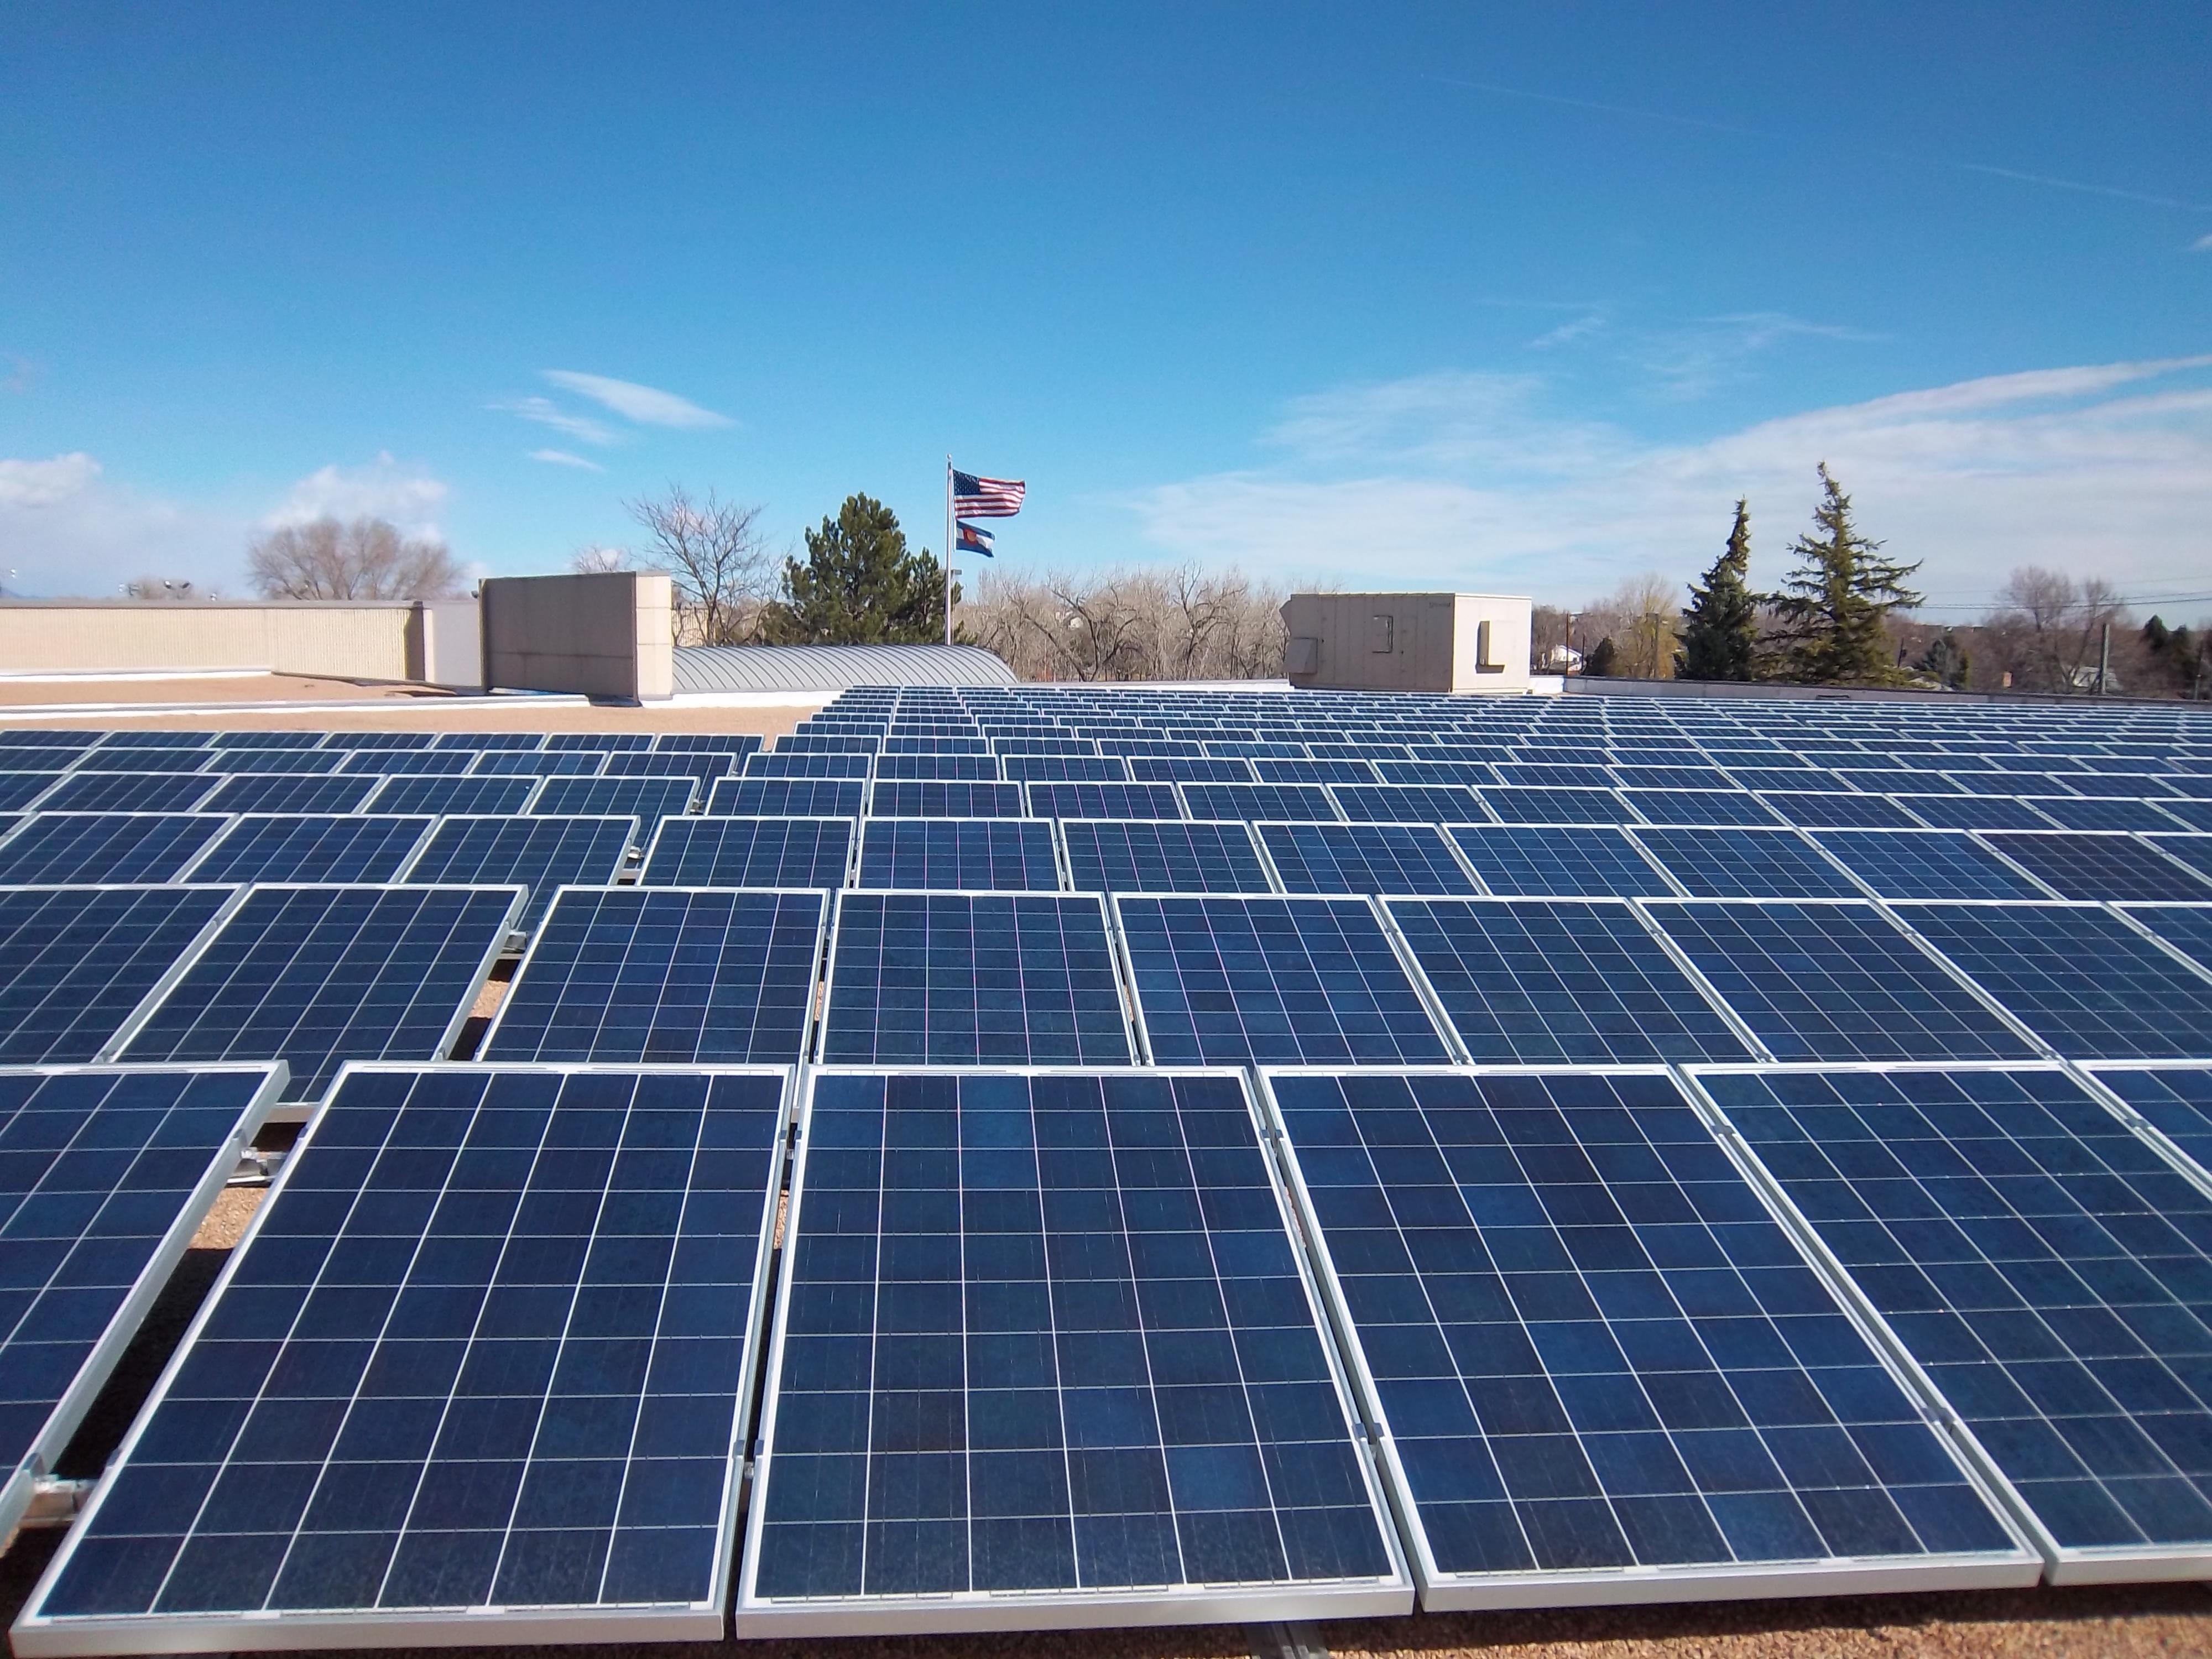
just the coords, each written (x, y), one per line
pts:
(833, 667)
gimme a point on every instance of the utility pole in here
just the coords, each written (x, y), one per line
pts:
(2105, 660)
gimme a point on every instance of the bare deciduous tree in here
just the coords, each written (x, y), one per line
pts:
(2047, 630)
(1182, 623)
(596, 561)
(365, 559)
(716, 560)
(1643, 618)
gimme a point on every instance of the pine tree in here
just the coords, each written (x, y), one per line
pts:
(1832, 606)
(859, 585)
(1602, 658)
(1720, 630)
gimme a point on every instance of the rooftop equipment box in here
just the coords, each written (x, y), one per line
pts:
(1408, 642)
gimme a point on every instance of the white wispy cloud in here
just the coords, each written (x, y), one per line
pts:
(2201, 245)
(1698, 358)
(1466, 480)
(545, 412)
(384, 489)
(646, 405)
(563, 458)
(45, 483)
(66, 529)
(1567, 333)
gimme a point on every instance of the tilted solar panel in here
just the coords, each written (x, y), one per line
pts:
(1389, 803)
(665, 975)
(1535, 982)
(1305, 803)
(2193, 850)
(80, 847)
(275, 760)
(1576, 862)
(1519, 805)
(479, 1370)
(351, 847)
(1054, 769)
(942, 768)
(972, 978)
(2174, 1100)
(538, 853)
(712, 852)
(75, 961)
(978, 854)
(1363, 857)
(1728, 863)
(1046, 1356)
(489, 796)
(1191, 768)
(2082, 866)
(1840, 811)
(1926, 864)
(1104, 800)
(907, 798)
(2046, 1266)
(810, 764)
(1287, 981)
(319, 976)
(787, 797)
(538, 763)
(1973, 813)
(2106, 815)
(1599, 1369)
(126, 792)
(407, 762)
(644, 799)
(287, 793)
(1162, 858)
(1701, 808)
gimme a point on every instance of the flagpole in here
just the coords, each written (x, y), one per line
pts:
(948, 549)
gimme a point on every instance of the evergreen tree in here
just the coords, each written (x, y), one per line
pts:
(1603, 657)
(1720, 630)
(1832, 607)
(859, 585)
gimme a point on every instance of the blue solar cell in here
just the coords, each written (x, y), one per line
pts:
(1305, 803)
(287, 793)
(605, 743)
(488, 740)
(1464, 774)
(2042, 1263)
(2193, 850)
(1555, 774)
(1363, 857)
(2197, 814)
(19, 789)
(933, 769)
(128, 791)
(665, 975)
(488, 1345)
(1284, 981)
(272, 761)
(1840, 811)
(79, 847)
(1104, 800)
(787, 797)
(1901, 781)
(1973, 813)
(1190, 768)
(973, 978)
(2186, 928)
(1065, 769)
(1701, 779)
(2077, 975)
(1518, 805)
(1927, 864)
(316, 976)
(377, 739)
(1049, 1333)
(1163, 858)
(1391, 803)
(681, 763)
(2101, 814)
(644, 799)
(106, 1176)
(153, 740)
(1745, 864)
(1790, 779)
(896, 799)
(75, 961)
(823, 764)
(1834, 981)
(409, 762)
(1561, 982)
(1315, 771)
(1589, 1350)
(707, 851)
(977, 855)
(354, 847)
(1584, 861)
(537, 853)
(2082, 866)
(1055, 745)
(2176, 1101)
(709, 743)
(1696, 808)
(267, 740)
(455, 795)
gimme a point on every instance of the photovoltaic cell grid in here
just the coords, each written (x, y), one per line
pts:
(538, 853)
(648, 799)
(1045, 1344)
(1591, 1349)
(482, 1358)
(1584, 861)
(80, 847)
(793, 798)
(949, 979)
(1012, 854)
(665, 975)
(104, 1174)
(1538, 982)
(352, 848)
(1745, 864)
(1363, 857)
(1927, 864)
(2046, 1268)
(75, 961)
(2186, 928)
(125, 792)
(1104, 800)
(453, 795)
(316, 976)
(1272, 980)
(712, 852)
(2175, 1100)
(2093, 866)
(1163, 858)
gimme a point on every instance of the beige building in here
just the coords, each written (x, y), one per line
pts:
(1408, 642)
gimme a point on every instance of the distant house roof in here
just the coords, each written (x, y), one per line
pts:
(832, 667)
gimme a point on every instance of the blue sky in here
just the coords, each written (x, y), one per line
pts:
(1508, 298)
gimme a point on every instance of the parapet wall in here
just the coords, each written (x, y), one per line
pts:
(368, 641)
(603, 635)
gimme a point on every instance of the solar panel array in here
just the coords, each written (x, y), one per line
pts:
(1248, 1155)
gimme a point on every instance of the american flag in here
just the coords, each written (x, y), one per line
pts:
(986, 498)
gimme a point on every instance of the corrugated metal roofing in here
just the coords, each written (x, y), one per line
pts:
(833, 667)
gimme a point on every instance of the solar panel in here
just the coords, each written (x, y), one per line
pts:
(287, 793)
(2193, 850)
(412, 762)
(1598, 1369)
(1289, 980)
(1584, 861)
(1315, 771)
(2197, 814)
(1516, 806)
(2044, 1266)
(2102, 866)
(951, 979)
(1641, 775)
(1745, 864)
(1834, 981)
(2106, 815)
(903, 798)
(2174, 1100)
(712, 743)
(1162, 858)
(607, 743)
(319, 976)
(458, 796)
(267, 740)
(1790, 779)
(107, 1172)
(1927, 864)
(1973, 813)
(355, 847)
(1539, 982)
(538, 763)
(665, 975)
(1190, 768)
(679, 764)
(979, 854)
(76, 961)
(1104, 800)
(644, 799)
(1305, 803)
(476, 1373)
(1061, 769)
(1390, 803)
(1456, 773)
(1699, 808)
(482, 740)
(2186, 928)
(536, 853)
(1556, 774)
(817, 764)
(377, 739)
(1046, 1356)
(2077, 975)
(1840, 811)
(787, 797)
(945, 768)
(1363, 857)
(300, 760)
(1897, 779)
(125, 792)
(705, 852)
(104, 847)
